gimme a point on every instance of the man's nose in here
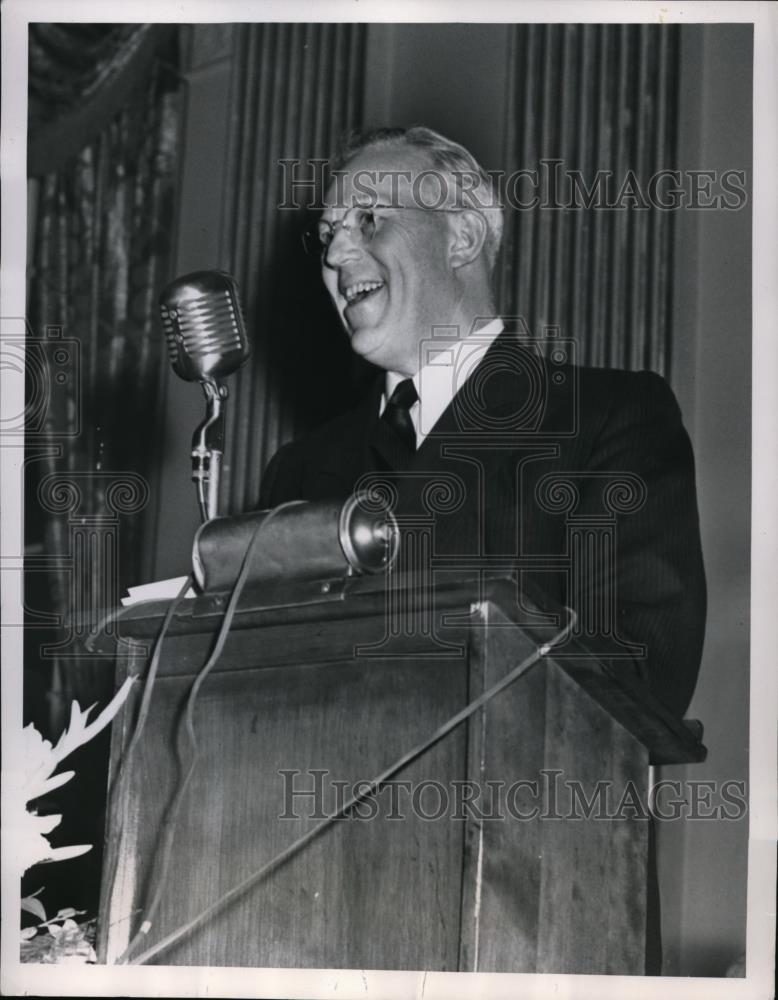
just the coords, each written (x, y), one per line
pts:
(344, 246)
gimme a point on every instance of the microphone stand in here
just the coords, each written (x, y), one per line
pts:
(207, 449)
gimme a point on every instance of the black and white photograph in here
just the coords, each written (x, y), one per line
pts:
(388, 489)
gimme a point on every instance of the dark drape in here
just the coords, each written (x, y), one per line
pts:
(101, 253)
(296, 88)
(594, 97)
(80, 76)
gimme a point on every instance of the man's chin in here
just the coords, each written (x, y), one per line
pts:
(369, 342)
(363, 338)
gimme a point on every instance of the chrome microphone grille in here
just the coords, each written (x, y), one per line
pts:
(203, 325)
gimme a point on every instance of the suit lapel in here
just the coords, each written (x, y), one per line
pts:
(510, 403)
(336, 467)
(509, 393)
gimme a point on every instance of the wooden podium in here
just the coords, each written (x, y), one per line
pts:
(479, 856)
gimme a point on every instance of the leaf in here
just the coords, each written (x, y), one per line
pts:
(69, 929)
(45, 824)
(51, 783)
(79, 732)
(65, 853)
(34, 906)
(63, 915)
(22, 826)
(26, 844)
(29, 932)
(23, 837)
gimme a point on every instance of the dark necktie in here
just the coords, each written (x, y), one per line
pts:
(397, 413)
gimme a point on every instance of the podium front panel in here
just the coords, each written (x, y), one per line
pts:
(377, 891)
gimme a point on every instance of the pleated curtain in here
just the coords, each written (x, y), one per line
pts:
(593, 97)
(296, 89)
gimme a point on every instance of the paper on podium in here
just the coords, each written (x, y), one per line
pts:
(160, 590)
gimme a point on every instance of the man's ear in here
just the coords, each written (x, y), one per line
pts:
(469, 231)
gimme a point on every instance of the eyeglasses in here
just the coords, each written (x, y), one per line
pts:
(359, 221)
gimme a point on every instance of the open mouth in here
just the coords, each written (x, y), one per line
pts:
(361, 290)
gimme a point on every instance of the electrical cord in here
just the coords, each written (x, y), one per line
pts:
(119, 782)
(112, 618)
(171, 819)
(238, 890)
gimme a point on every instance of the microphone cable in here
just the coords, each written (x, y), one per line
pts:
(238, 890)
(119, 782)
(171, 818)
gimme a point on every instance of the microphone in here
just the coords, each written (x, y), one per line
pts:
(204, 326)
(206, 337)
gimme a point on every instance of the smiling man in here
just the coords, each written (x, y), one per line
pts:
(506, 450)
(404, 253)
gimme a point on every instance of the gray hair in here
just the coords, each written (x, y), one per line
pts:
(443, 154)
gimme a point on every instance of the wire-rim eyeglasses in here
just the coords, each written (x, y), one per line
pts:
(359, 221)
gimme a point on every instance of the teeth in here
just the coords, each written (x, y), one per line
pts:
(361, 286)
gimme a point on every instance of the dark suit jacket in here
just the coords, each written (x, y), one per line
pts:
(581, 481)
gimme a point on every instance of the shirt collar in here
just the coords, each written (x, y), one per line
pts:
(440, 378)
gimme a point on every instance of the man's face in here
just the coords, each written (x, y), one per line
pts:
(406, 281)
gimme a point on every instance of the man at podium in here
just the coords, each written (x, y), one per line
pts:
(579, 480)
(522, 484)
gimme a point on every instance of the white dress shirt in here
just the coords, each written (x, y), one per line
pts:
(443, 375)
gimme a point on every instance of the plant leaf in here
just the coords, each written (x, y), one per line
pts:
(51, 783)
(63, 915)
(64, 853)
(25, 829)
(45, 824)
(34, 906)
(78, 732)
